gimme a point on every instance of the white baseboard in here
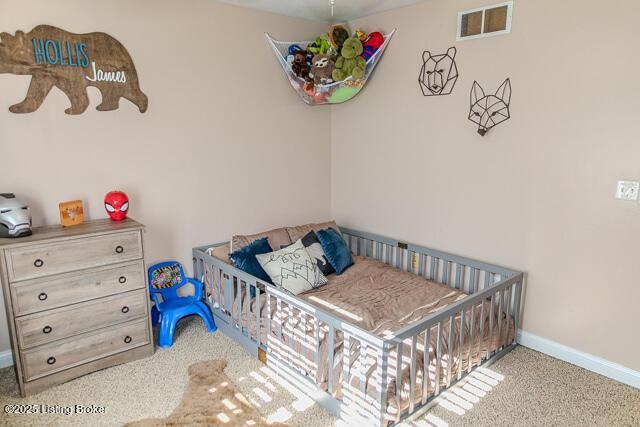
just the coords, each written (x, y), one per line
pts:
(576, 357)
(6, 359)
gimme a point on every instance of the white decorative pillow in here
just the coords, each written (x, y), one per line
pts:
(292, 269)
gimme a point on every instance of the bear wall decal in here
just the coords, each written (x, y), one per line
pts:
(488, 111)
(71, 62)
(439, 73)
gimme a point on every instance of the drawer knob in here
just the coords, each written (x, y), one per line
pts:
(125, 309)
(119, 249)
(127, 339)
(47, 329)
(42, 296)
(38, 263)
(51, 360)
(122, 279)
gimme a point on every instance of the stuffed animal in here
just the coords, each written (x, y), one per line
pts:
(338, 35)
(300, 67)
(360, 35)
(322, 69)
(293, 49)
(350, 63)
(372, 45)
(320, 46)
(309, 88)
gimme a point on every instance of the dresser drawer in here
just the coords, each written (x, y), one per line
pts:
(52, 325)
(71, 255)
(57, 291)
(60, 355)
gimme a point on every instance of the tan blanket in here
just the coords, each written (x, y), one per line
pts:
(380, 298)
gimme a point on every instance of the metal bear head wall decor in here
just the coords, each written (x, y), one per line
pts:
(488, 111)
(439, 73)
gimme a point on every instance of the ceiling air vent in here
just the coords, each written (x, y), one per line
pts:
(485, 21)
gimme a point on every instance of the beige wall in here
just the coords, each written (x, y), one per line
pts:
(537, 192)
(225, 145)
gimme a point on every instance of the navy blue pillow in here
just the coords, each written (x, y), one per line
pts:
(335, 249)
(245, 259)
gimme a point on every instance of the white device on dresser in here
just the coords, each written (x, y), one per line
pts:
(76, 300)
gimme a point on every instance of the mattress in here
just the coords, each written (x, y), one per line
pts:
(380, 299)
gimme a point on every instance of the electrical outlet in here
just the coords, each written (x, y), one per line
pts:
(628, 190)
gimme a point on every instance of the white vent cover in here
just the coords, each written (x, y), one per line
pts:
(485, 21)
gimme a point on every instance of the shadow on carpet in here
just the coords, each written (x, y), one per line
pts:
(210, 399)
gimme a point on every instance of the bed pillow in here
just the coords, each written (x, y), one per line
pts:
(335, 249)
(221, 252)
(245, 258)
(300, 231)
(314, 248)
(277, 237)
(292, 269)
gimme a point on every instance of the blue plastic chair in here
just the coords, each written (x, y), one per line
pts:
(165, 279)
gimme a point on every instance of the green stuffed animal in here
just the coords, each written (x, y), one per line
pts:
(350, 63)
(320, 46)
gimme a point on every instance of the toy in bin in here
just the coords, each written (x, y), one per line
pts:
(117, 205)
(164, 281)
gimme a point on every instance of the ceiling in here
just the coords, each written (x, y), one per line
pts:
(320, 10)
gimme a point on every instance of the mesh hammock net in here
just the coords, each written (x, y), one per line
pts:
(333, 93)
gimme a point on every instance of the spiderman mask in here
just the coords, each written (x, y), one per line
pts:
(117, 205)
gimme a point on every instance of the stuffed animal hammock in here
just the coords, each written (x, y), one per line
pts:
(333, 93)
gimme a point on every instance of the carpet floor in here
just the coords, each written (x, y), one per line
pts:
(524, 388)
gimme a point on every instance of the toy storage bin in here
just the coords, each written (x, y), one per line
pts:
(334, 93)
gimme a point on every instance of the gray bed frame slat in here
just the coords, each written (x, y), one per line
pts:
(485, 283)
(382, 365)
(425, 366)
(412, 372)
(471, 336)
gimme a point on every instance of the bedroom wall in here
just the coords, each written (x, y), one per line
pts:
(537, 192)
(225, 146)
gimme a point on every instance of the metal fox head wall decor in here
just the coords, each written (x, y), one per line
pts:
(439, 73)
(488, 111)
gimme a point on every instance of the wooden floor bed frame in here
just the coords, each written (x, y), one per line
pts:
(487, 285)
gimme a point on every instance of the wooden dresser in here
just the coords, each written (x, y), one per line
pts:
(76, 300)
